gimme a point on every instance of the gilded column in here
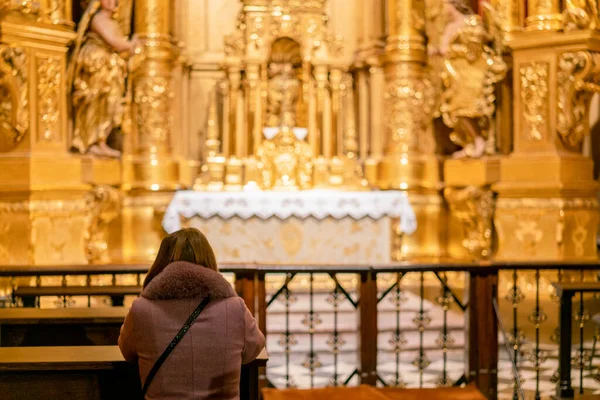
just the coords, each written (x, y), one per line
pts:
(234, 79)
(151, 172)
(377, 87)
(408, 161)
(253, 121)
(322, 142)
(362, 88)
(236, 131)
(149, 163)
(511, 14)
(543, 15)
(350, 145)
(225, 91)
(336, 109)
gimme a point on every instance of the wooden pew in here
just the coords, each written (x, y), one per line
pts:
(30, 294)
(61, 326)
(86, 373)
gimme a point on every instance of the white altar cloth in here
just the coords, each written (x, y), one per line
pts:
(305, 227)
(318, 204)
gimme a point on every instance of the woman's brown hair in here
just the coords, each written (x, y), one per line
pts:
(185, 245)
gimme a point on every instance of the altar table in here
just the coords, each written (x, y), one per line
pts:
(304, 227)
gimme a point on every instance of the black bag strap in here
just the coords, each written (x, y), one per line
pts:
(174, 342)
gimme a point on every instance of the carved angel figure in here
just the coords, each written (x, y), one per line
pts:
(581, 14)
(473, 64)
(97, 74)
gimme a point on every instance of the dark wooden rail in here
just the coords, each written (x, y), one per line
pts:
(31, 294)
(26, 327)
(440, 266)
(86, 373)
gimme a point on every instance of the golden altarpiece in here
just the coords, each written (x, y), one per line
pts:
(108, 108)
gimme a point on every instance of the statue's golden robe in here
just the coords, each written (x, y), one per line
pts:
(98, 75)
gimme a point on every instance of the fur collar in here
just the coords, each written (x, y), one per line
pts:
(183, 280)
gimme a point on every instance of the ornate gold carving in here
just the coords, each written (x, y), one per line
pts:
(474, 208)
(408, 107)
(510, 13)
(27, 7)
(5, 239)
(43, 231)
(14, 98)
(580, 233)
(578, 75)
(580, 14)
(48, 90)
(473, 65)
(50, 11)
(550, 204)
(104, 203)
(528, 233)
(285, 162)
(534, 98)
(546, 228)
(543, 15)
(153, 97)
(260, 22)
(287, 99)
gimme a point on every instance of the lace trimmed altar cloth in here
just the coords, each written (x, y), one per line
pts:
(315, 226)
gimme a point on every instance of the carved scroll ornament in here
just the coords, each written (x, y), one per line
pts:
(473, 207)
(578, 78)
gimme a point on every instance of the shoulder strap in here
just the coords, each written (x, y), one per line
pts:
(174, 342)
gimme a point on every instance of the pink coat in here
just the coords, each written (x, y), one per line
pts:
(206, 363)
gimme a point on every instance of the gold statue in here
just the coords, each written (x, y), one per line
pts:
(581, 14)
(471, 69)
(97, 74)
(284, 160)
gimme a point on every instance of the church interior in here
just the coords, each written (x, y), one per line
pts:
(391, 186)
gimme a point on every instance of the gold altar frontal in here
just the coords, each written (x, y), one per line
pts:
(298, 241)
(309, 227)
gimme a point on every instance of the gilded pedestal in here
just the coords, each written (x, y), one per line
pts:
(547, 207)
(44, 204)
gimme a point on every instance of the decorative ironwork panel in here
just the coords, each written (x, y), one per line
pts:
(421, 329)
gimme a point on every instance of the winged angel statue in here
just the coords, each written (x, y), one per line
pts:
(471, 50)
(97, 74)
